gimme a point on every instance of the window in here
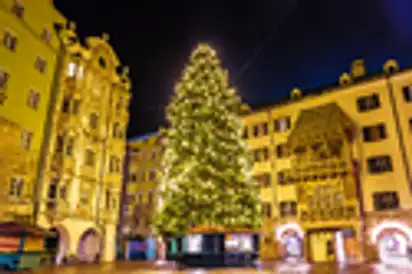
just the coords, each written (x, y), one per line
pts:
(71, 69)
(102, 62)
(59, 143)
(140, 197)
(153, 154)
(53, 187)
(76, 106)
(385, 200)
(16, 187)
(46, 35)
(150, 197)
(26, 138)
(114, 165)
(264, 180)
(245, 133)
(261, 155)
(90, 157)
(69, 146)
(117, 131)
(265, 154)
(34, 99)
(94, 120)
(108, 199)
(152, 175)
(64, 190)
(265, 129)
(66, 105)
(255, 131)
(40, 64)
(4, 78)
(368, 103)
(410, 124)
(84, 196)
(281, 178)
(10, 41)
(288, 208)
(282, 151)
(374, 133)
(282, 124)
(142, 176)
(379, 164)
(267, 210)
(407, 93)
(17, 9)
(133, 177)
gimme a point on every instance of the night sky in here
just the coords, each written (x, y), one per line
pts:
(269, 46)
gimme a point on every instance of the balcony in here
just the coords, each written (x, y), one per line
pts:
(329, 214)
(315, 171)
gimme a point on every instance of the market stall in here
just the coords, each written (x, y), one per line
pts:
(215, 247)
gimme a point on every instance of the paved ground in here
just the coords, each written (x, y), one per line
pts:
(136, 268)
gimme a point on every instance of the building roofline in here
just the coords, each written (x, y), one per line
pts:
(142, 137)
(321, 90)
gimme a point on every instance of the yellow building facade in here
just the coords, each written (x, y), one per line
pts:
(28, 56)
(143, 164)
(334, 168)
(83, 157)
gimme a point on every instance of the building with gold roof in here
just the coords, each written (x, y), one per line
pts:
(83, 157)
(335, 168)
(28, 56)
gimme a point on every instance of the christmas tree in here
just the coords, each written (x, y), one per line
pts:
(206, 176)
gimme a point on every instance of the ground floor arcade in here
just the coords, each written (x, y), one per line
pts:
(386, 240)
(82, 241)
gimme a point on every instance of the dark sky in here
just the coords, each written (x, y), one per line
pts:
(306, 43)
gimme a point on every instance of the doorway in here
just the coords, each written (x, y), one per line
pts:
(322, 246)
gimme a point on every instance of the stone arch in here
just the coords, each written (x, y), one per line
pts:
(391, 240)
(387, 227)
(89, 246)
(63, 243)
(287, 229)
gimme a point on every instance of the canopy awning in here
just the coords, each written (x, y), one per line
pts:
(17, 228)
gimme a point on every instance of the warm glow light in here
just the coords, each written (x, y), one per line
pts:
(195, 243)
(289, 226)
(390, 225)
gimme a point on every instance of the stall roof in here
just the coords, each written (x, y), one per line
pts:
(218, 229)
(17, 228)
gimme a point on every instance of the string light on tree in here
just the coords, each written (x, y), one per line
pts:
(206, 176)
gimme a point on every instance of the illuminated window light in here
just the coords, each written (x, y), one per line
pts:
(71, 70)
(289, 226)
(390, 225)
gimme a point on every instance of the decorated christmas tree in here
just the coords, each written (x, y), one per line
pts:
(206, 179)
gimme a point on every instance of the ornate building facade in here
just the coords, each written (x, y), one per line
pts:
(335, 168)
(28, 56)
(83, 156)
(141, 181)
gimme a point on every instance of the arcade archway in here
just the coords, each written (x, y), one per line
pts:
(58, 244)
(392, 240)
(89, 246)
